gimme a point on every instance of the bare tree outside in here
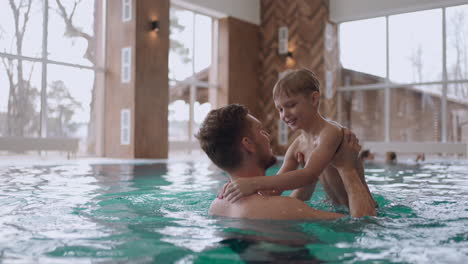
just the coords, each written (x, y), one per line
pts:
(174, 45)
(22, 118)
(417, 63)
(459, 43)
(73, 31)
(61, 107)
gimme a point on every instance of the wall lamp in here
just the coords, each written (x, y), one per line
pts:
(290, 62)
(155, 25)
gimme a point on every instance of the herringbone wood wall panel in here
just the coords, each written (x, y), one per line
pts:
(306, 21)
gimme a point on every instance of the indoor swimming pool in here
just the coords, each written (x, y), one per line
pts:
(157, 213)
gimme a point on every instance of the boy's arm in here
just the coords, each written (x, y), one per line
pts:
(303, 193)
(321, 157)
(289, 164)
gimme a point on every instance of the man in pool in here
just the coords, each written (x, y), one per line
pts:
(237, 143)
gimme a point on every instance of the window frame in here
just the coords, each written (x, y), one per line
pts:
(387, 85)
(44, 60)
(190, 144)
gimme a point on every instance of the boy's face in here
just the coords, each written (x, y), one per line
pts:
(297, 111)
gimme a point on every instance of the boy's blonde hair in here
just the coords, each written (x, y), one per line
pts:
(302, 81)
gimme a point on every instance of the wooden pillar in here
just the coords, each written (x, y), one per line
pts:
(145, 95)
(313, 43)
(238, 63)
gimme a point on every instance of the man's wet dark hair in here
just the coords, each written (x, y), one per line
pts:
(220, 135)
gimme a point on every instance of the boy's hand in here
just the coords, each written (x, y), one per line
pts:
(347, 154)
(222, 190)
(239, 188)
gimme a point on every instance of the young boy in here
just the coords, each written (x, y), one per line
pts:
(297, 99)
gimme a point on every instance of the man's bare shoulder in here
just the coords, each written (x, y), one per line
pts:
(268, 207)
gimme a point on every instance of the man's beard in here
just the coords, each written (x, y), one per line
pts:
(268, 162)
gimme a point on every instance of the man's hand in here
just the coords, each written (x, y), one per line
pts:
(347, 154)
(300, 159)
(239, 188)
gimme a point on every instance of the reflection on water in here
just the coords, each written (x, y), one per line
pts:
(158, 213)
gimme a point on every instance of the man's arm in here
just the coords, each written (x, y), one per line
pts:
(360, 200)
(362, 176)
(320, 158)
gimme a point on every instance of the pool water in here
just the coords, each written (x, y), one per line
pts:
(157, 213)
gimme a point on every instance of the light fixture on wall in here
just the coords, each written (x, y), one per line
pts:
(155, 25)
(290, 62)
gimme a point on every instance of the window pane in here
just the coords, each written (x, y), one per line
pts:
(201, 108)
(415, 41)
(179, 114)
(457, 112)
(202, 42)
(363, 113)
(21, 118)
(357, 78)
(74, 41)
(181, 44)
(4, 90)
(415, 113)
(362, 46)
(31, 37)
(457, 42)
(69, 92)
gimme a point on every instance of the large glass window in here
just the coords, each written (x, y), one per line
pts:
(20, 93)
(362, 46)
(362, 111)
(457, 45)
(49, 93)
(68, 101)
(21, 27)
(457, 113)
(410, 93)
(71, 32)
(457, 71)
(415, 113)
(192, 87)
(415, 41)
(181, 44)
